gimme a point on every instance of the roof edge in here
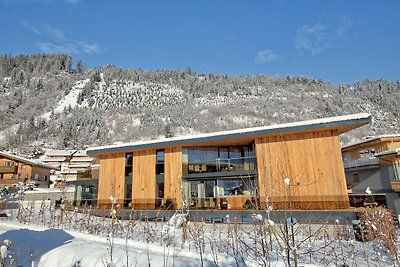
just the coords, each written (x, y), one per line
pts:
(355, 120)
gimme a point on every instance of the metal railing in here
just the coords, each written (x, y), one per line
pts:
(239, 202)
(361, 162)
(222, 165)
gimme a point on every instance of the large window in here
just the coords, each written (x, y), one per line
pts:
(218, 159)
(223, 187)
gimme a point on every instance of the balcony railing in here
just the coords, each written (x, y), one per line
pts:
(221, 165)
(8, 169)
(361, 162)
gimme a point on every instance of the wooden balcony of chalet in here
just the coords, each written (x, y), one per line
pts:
(395, 185)
(8, 169)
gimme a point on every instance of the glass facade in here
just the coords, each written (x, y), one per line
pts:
(222, 187)
(86, 195)
(214, 174)
(218, 159)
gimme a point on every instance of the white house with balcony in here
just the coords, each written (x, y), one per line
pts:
(374, 163)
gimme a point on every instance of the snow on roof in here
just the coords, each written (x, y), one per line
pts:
(53, 153)
(54, 159)
(346, 120)
(370, 139)
(27, 161)
(82, 159)
(80, 153)
(388, 152)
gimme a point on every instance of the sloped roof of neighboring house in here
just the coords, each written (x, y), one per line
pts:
(26, 161)
(80, 153)
(344, 123)
(54, 159)
(371, 139)
(395, 151)
(59, 153)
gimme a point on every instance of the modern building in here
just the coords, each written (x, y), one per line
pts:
(374, 164)
(70, 164)
(293, 165)
(15, 169)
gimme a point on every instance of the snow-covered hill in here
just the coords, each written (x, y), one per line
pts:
(108, 104)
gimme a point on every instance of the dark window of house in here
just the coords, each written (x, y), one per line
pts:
(160, 173)
(45, 177)
(160, 162)
(128, 164)
(356, 179)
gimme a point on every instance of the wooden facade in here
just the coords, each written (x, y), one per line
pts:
(173, 174)
(111, 178)
(15, 169)
(309, 156)
(312, 161)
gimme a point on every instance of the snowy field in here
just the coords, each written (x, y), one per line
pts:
(42, 235)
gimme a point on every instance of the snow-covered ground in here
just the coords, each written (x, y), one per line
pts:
(55, 247)
(70, 100)
(49, 236)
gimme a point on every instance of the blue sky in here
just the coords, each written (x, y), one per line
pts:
(338, 41)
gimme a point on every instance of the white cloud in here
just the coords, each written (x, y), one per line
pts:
(58, 48)
(70, 48)
(58, 42)
(318, 37)
(266, 56)
(346, 23)
(29, 26)
(312, 39)
(54, 32)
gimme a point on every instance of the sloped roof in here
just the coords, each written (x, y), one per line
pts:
(371, 139)
(388, 152)
(347, 122)
(59, 153)
(26, 161)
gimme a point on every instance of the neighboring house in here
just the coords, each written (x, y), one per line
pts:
(294, 165)
(86, 186)
(70, 164)
(374, 163)
(15, 169)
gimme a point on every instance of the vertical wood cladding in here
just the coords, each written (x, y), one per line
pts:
(144, 176)
(111, 177)
(173, 174)
(313, 163)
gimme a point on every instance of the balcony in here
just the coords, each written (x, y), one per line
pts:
(365, 163)
(220, 165)
(8, 169)
(395, 185)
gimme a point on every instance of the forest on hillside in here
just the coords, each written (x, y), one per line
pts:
(126, 104)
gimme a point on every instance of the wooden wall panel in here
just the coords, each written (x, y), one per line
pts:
(173, 174)
(111, 178)
(42, 172)
(393, 145)
(144, 179)
(312, 161)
